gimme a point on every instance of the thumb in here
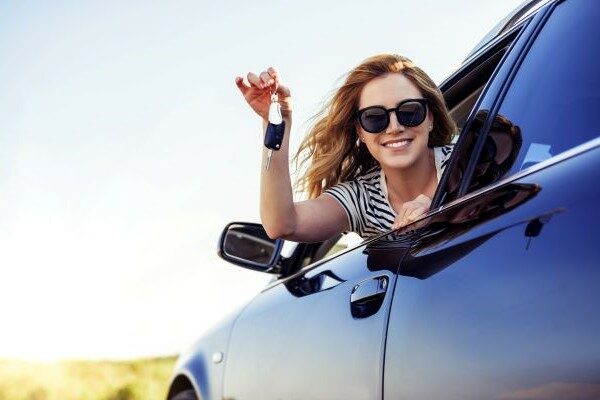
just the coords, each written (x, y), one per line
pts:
(239, 82)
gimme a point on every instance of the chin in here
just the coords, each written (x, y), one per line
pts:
(398, 161)
(397, 164)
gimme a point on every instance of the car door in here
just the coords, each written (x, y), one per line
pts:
(498, 295)
(318, 334)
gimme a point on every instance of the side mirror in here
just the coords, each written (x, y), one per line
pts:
(247, 244)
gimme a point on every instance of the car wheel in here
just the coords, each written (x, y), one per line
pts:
(185, 395)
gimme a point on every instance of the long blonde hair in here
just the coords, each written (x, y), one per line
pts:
(332, 144)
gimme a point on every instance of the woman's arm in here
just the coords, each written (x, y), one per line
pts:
(307, 221)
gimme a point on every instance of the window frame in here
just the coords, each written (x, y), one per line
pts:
(490, 99)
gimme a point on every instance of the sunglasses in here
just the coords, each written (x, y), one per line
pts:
(410, 112)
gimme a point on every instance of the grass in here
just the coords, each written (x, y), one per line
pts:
(145, 379)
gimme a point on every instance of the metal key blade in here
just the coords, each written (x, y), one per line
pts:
(269, 154)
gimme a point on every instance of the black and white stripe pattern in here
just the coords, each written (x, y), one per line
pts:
(365, 200)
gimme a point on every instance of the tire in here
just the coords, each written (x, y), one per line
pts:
(185, 395)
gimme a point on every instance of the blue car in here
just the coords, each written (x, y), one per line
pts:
(493, 294)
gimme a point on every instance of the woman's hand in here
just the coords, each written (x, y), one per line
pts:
(258, 92)
(412, 211)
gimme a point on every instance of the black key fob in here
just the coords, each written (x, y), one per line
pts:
(274, 135)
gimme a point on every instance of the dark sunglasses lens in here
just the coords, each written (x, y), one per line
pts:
(374, 119)
(411, 113)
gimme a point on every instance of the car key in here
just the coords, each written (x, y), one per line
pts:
(275, 129)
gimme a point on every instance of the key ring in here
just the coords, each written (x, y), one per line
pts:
(274, 96)
(275, 116)
(275, 128)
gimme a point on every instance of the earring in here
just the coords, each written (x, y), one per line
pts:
(430, 128)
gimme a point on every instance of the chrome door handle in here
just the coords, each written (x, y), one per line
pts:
(367, 296)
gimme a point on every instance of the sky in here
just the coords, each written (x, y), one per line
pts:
(125, 148)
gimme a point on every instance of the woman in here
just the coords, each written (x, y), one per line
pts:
(376, 152)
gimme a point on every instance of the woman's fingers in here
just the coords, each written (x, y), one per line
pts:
(239, 82)
(254, 80)
(415, 213)
(273, 72)
(258, 89)
(282, 90)
(423, 199)
(409, 217)
(266, 79)
(412, 211)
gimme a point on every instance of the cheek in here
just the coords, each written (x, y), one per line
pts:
(368, 139)
(371, 145)
(422, 132)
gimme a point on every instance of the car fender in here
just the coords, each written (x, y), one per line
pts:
(201, 367)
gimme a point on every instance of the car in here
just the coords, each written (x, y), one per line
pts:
(493, 293)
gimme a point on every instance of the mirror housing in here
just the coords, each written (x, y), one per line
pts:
(247, 244)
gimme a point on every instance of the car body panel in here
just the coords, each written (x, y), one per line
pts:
(195, 367)
(304, 328)
(468, 322)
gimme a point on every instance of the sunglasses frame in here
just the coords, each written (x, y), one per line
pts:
(421, 101)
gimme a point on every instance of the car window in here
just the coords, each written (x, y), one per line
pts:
(552, 102)
(462, 96)
(347, 241)
(300, 255)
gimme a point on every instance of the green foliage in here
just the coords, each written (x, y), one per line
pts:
(145, 379)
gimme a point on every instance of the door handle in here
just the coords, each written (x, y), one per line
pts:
(367, 296)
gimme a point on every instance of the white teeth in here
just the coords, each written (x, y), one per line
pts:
(398, 144)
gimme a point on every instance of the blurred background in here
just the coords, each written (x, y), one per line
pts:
(125, 148)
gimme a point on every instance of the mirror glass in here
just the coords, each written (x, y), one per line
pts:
(250, 243)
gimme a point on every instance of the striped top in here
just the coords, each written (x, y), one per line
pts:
(365, 198)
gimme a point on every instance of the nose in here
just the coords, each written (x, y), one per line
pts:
(394, 125)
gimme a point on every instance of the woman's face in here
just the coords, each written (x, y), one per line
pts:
(397, 146)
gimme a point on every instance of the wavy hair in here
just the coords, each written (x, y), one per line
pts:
(332, 146)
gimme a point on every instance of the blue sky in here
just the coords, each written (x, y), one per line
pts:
(125, 148)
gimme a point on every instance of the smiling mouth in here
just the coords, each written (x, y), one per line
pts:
(397, 144)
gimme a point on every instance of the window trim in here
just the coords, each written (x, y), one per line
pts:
(559, 158)
(489, 53)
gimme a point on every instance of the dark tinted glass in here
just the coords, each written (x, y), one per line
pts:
(411, 113)
(555, 97)
(375, 119)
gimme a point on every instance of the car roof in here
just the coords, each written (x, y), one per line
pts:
(521, 13)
